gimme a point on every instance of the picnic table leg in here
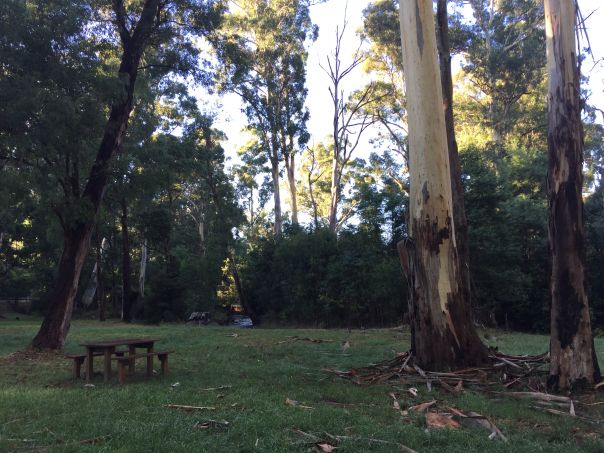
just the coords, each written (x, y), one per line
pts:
(163, 358)
(107, 364)
(131, 351)
(149, 361)
(121, 371)
(89, 364)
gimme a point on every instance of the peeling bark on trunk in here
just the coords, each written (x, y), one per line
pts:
(444, 336)
(55, 326)
(459, 210)
(573, 360)
(126, 285)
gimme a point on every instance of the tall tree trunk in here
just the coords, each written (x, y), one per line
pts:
(100, 287)
(278, 228)
(334, 201)
(290, 168)
(126, 285)
(459, 210)
(444, 336)
(573, 360)
(55, 326)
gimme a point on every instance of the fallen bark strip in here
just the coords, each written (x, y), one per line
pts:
(190, 408)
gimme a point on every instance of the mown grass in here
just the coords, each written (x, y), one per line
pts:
(43, 409)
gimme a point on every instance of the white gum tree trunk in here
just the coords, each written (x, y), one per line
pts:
(443, 334)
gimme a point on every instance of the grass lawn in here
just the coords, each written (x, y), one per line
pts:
(43, 409)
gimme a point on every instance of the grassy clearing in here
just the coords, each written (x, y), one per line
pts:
(42, 408)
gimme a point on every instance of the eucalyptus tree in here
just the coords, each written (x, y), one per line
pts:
(443, 335)
(573, 359)
(264, 63)
(505, 59)
(125, 37)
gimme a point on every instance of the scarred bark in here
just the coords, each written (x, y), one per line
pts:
(459, 210)
(443, 334)
(573, 359)
(55, 326)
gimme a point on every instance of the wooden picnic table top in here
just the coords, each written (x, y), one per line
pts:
(119, 342)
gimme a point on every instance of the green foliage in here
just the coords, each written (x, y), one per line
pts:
(165, 301)
(594, 216)
(507, 217)
(312, 278)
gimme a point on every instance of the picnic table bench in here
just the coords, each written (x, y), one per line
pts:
(125, 358)
(123, 362)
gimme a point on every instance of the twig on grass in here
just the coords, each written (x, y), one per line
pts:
(222, 387)
(95, 440)
(372, 440)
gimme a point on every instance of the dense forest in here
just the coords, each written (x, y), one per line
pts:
(131, 173)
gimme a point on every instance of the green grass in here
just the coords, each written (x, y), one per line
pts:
(43, 409)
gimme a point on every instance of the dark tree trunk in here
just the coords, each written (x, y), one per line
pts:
(573, 361)
(77, 236)
(126, 285)
(58, 318)
(459, 210)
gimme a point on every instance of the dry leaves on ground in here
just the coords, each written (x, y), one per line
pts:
(438, 420)
(295, 403)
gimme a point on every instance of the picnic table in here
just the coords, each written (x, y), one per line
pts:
(108, 350)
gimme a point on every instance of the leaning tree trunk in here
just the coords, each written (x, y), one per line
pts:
(443, 334)
(573, 359)
(55, 326)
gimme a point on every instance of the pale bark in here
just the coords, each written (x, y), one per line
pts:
(126, 286)
(142, 270)
(573, 360)
(444, 336)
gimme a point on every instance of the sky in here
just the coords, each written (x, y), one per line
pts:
(331, 14)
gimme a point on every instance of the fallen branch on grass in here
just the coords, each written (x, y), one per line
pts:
(307, 339)
(504, 369)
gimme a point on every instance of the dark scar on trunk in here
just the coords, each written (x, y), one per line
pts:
(419, 28)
